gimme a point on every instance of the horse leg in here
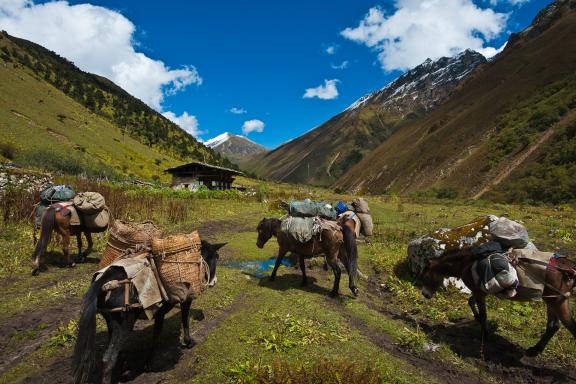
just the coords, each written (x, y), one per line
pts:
(565, 316)
(552, 326)
(88, 236)
(303, 268)
(66, 248)
(185, 312)
(158, 325)
(79, 243)
(333, 262)
(281, 254)
(472, 304)
(121, 326)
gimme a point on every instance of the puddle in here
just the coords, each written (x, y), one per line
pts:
(257, 268)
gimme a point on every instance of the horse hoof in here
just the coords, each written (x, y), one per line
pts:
(272, 278)
(72, 265)
(532, 352)
(35, 271)
(355, 291)
(333, 294)
(187, 344)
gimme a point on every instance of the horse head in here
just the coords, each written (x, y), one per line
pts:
(431, 279)
(211, 256)
(265, 232)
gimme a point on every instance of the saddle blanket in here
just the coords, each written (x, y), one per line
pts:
(139, 271)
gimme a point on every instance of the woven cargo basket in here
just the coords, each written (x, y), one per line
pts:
(179, 260)
(124, 235)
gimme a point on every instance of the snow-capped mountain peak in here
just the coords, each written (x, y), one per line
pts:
(236, 148)
(216, 141)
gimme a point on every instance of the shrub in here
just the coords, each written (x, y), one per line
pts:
(8, 150)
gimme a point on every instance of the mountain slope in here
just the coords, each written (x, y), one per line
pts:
(495, 122)
(48, 99)
(325, 153)
(237, 149)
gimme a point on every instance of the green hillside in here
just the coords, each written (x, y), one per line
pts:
(54, 116)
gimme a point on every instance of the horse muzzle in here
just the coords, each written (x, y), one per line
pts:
(213, 282)
(259, 245)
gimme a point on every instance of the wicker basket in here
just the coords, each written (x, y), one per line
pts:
(179, 260)
(124, 235)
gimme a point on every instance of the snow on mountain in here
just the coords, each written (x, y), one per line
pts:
(425, 85)
(235, 148)
(218, 140)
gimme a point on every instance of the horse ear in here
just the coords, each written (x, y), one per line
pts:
(216, 247)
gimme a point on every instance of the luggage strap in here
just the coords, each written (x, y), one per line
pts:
(114, 284)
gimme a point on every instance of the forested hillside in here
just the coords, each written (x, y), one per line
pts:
(125, 120)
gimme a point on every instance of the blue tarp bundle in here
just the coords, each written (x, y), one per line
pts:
(309, 208)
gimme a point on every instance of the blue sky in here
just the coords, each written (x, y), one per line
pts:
(200, 59)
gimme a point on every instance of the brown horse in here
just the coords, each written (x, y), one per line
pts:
(559, 282)
(53, 220)
(334, 245)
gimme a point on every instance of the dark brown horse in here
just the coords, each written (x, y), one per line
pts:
(333, 244)
(121, 323)
(53, 220)
(559, 282)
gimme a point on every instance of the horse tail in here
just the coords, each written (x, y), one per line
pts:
(85, 349)
(352, 251)
(47, 226)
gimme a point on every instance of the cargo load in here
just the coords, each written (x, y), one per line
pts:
(124, 235)
(180, 265)
(309, 208)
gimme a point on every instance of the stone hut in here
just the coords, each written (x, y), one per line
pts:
(193, 175)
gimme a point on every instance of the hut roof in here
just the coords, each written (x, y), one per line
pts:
(199, 166)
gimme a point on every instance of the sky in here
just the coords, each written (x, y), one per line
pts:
(268, 70)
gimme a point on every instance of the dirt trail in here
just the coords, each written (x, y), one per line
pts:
(444, 372)
(504, 173)
(502, 359)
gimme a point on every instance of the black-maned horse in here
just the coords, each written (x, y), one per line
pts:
(120, 324)
(334, 245)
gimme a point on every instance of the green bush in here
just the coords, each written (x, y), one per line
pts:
(8, 150)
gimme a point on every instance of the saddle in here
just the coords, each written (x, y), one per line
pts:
(66, 208)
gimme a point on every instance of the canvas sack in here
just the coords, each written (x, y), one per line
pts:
(360, 205)
(89, 203)
(367, 227)
(56, 193)
(97, 221)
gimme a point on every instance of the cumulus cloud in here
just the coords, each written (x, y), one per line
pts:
(327, 91)
(252, 126)
(238, 111)
(342, 65)
(417, 30)
(97, 40)
(187, 122)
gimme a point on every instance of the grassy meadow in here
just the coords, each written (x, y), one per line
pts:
(250, 330)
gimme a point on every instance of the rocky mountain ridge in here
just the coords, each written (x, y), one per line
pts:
(323, 154)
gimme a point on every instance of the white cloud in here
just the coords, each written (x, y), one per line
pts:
(97, 40)
(237, 111)
(511, 2)
(328, 91)
(187, 122)
(426, 29)
(490, 52)
(342, 65)
(252, 126)
(331, 49)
